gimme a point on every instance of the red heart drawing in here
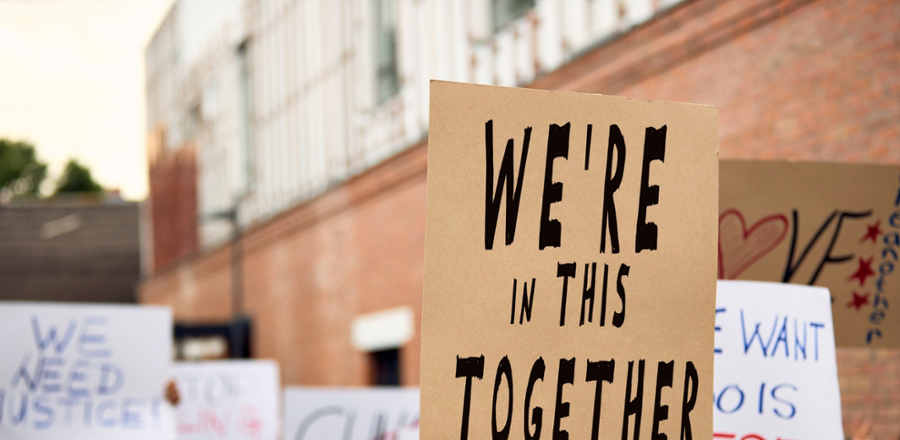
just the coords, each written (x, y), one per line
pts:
(740, 247)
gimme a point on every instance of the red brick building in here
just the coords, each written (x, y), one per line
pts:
(796, 79)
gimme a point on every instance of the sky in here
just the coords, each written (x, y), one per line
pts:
(72, 83)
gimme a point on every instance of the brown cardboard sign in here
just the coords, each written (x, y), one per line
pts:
(569, 266)
(824, 224)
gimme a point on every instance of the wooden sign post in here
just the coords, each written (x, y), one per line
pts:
(569, 266)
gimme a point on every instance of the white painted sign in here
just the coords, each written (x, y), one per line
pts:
(80, 372)
(351, 413)
(228, 400)
(775, 369)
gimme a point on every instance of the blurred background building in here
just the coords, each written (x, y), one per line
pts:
(287, 146)
(76, 248)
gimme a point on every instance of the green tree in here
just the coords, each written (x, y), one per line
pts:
(20, 170)
(76, 178)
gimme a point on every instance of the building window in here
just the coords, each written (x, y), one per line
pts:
(194, 120)
(245, 118)
(507, 11)
(387, 81)
(385, 367)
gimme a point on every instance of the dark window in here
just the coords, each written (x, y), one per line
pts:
(506, 11)
(194, 120)
(215, 340)
(387, 80)
(385, 367)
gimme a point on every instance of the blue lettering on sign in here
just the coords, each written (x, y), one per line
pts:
(43, 342)
(780, 337)
(783, 401)
(88, 338)
(891, 241)
(731, 399)
(68, 404)
(718, 350)
(816, 326)
(108, 371)
(131, 420)
(50, 387)
(40, 407)
(48, 374)
(102, 409)
(31, 380)
(756, 335)
(799, 346)
(23, 410)
(76, 375)
(737, 406)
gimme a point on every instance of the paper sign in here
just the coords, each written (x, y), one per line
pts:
(350, 413)
(824, 224)
(776, 374)
(569, 266)
(232, 400)
(84, 372)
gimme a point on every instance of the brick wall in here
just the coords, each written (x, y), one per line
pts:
(173, 200)
(309, 272)
(812, 80)
(794, 79)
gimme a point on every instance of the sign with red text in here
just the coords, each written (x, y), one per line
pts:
(229, 400)
(80, 372)
(824, 224)
(776, 373)
(351, 413)
(570, 262)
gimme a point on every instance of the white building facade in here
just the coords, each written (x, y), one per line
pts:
(283, 99)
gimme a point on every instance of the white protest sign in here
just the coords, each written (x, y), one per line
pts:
(233, 400)
(85, 372)
(775, 369)
(350, 413)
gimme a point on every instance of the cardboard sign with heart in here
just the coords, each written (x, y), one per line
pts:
(830, 225)
(740, 247)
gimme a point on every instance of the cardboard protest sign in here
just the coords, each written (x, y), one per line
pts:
(350, 413)
(569, 266)
(85, 372)
(823, 224)
(776, 374)
(233, 400)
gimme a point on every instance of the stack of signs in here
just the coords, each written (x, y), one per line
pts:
(350, 413)
(831, 225)
(233, 400)
(570, 263)
(85, 372)
(776, 374)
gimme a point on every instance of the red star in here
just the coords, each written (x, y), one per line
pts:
(858, 300)
(864, 271)
(873, 232)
